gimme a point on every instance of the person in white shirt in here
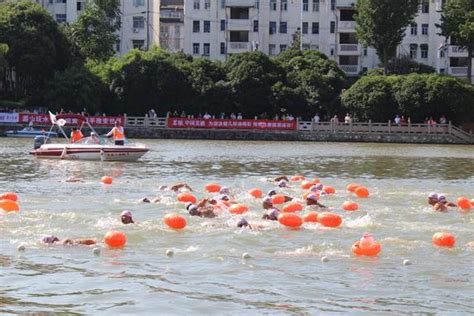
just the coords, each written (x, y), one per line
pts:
(316, 118)
(348, 119)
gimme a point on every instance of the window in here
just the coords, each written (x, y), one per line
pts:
(177, 30)
(332, 27)
(79, 5)
(206, 49)
(315, 5)
(424, 29)
(138, 44)
(442, 53)
(271, 49)
(273, 5)
(138, 22)
(196, 4)
(283, 27)
(138, 3)
(305, 46)
(222, 48)
(413, 51)
(365, 51)
(424, 50)
(222, 25)
(315, 28)
(60, 1)
(425, 6)
(207, 27)
(414, 29)
(284, 5)
(273, 27)
(255, 25)
(239, 13)
(305, 5)
(50, 1)
(195, 48)
(333, 5)
(207, 4)
(283, 48)
(305, 27)
(61, 18)
(222, 4)
(196, 26)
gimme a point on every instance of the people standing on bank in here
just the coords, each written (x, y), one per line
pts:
(118, 133)
(316, 118)
(348, 119)
(334, 120)
(443, 120)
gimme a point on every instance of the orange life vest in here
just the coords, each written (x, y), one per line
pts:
(118, 133)
(76, 136)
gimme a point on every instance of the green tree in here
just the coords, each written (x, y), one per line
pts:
(37, 49)
(405, 65)
(94, 31)
(457, 23)
(381, 24)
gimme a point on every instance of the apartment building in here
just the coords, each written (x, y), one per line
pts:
(172, 25)
(140, 20)
(218, 28)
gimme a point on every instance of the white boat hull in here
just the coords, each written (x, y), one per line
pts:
(90, 152)
(29, 133)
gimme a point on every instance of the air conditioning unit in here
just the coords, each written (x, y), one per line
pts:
(135, 30)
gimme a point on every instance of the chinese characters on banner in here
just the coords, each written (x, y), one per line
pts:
(8, 117)
(43, 119)
(179, 122)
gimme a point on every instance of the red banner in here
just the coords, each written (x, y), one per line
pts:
(178, 122)
(43, 119)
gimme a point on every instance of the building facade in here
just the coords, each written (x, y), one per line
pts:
(140, 20)
(172, 25)
(217, 29)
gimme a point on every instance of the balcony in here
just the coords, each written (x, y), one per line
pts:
(349, 49)
(240, 25)
(346, 26)
(240, 3)
(239, 47)
(351, 70)
(457, 51)
(458, 71)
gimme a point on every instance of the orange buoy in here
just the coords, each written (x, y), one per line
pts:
(329, 189)
(329, 219)
(463, 202)
(115, 239)
(311, 217)
(370, 250)
(106, 180)
(175, 221)
(186, 197)
(213, 187)
(292, 207)
(12, 196)
(278, 199)
(472, 202)
(350, 206)
(238, 208)
(352, 186)
(256, 193)
(362, 192)
(297, 178)
(9, 205)
(306, 184)
(444, 239)
(290, 220)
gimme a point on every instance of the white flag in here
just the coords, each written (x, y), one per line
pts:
(52, 117)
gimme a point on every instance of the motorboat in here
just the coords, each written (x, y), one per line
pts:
(30, 132)
(87, 148)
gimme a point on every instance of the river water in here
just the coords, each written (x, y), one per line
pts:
(207, 275)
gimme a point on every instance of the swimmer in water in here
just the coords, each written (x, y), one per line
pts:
(50, 240)
(317, 188)
(432, 198)
(126, 217)
(283, 184)
(312, 199)
(179, 186)
(442, 204)
(201, 209)
(147, 200)
(271, 214)
(243, 223)
(273, 192)
(278, 179)
(73, 179)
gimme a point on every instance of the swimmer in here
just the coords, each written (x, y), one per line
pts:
(201, 209)
(147, 200)
(243, 223)
(273, 192)
(267, 203)
(162, 188)
(283, 184)
(271, 214)
(317, 187)
(312, 199)
(50, 239)
(126, 217)
(177, 187)
(432, 198)
(73, 179)
(442, 204)
(278, 179)
(224, 190)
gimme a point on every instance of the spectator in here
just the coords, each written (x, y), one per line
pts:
(348, 119)
(222, 116)
(397, 119)
(403, 121)
(232, 116)
(183, 114)
(206, 116)
(175, 114)
(334, 120)
(431, 121)
(316, 118)
(443, 120)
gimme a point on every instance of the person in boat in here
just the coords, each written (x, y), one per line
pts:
(76, 135)
(118, 133)
(30, 125)
(51, 239)
(126, 217)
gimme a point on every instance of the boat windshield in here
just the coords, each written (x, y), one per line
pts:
(92, 140)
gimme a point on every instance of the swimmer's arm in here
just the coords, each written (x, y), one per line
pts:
(281, 178)
(288, 198)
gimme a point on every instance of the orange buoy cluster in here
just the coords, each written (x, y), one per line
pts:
(361, 192)
(256, 193)
(290, 220)
(292, 207)
(238, 208)
(115, 239)
(350, 206)
(8, 202)
(311, 217)
(329, 189)
(366, 246)
(213, 187)
(106, 180)
(444, 239)
(278, 199)
(186, 197)
(329, 219)
(306, 184)
(175, 221)
(297, 178)
(463, 203)
(351, 187)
